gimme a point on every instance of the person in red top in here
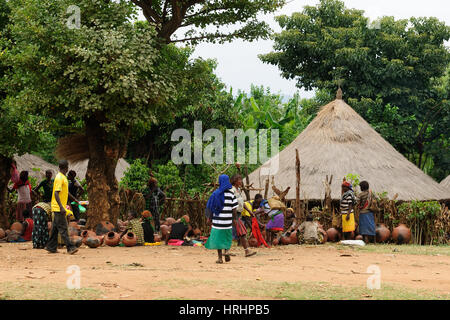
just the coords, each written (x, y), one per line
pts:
(27, 226)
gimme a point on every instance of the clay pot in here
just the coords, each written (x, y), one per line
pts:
(112, 239)
(165, 230)
(197, 232)
(2, 233)
(359, 237)
(104, 227)
(170, 221)
(87, 234)
(7, 231)
(293, 238)
(74, 224)
(76, 240)
(324, 234)
(252, 242)
(401, 234)
(275, 242)
(93, 242)
(382, 233)
(285, 240)
(129, 239)
(73, 231)
(333, 235)
(17, 226)
(157, 238)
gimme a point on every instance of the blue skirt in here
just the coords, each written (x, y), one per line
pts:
(366, 224)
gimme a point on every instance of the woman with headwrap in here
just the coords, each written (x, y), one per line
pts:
(223, 206)
(180, 229)
(347, 202)
(147, 226)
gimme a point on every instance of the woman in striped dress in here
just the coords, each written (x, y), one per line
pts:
(223, 205)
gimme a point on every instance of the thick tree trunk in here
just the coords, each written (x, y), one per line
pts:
(5, 175)
(103, 188)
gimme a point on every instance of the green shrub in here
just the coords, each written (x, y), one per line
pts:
(136, 176)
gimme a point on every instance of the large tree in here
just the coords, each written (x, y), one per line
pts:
(198, 18)
(387, 69)
(107, 75)
(20, 132)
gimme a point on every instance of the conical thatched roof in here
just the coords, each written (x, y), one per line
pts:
(81, 167)
(446, 183)
(338, 142)
(35, 166)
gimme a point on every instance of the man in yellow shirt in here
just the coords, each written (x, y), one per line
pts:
(60, 195)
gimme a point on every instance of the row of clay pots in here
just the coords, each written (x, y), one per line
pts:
(401, 234)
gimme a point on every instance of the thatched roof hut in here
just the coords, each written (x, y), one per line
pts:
(446, 183)
(81, 167)
(36, 167)
(338, 142)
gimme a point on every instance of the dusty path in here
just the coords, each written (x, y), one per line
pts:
(191, 272)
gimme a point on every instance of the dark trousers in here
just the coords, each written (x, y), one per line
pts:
(59, 225)
(76, 211)
(156, 219)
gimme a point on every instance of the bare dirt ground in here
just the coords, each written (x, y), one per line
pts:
(166, 272)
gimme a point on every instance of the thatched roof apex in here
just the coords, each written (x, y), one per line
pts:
(446, 183)
(338, 142)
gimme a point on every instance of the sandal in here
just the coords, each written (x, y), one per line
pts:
(227, 258)
(252, 253)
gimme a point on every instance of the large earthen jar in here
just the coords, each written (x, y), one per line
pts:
(401, 234)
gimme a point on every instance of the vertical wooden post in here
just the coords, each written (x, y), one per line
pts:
(266, 189)
(297, 191)
(247, 182)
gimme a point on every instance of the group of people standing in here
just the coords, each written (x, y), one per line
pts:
(230, 217)
(53, 206)
(363, 201)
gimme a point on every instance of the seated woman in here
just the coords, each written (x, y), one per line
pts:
(180, 229)
(308, 232)
(135, 225)
(148, 226)
(28, 225)
(276, 222)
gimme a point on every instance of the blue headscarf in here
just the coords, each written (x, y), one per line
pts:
(217, 200)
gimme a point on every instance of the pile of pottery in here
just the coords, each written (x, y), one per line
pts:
(11, 234)
(400, 235)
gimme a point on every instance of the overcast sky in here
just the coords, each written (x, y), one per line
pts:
(238, 63)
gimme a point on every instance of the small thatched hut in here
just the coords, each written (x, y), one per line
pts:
(339, 142)
(81, 167)
(446, 183)
(35, 166)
